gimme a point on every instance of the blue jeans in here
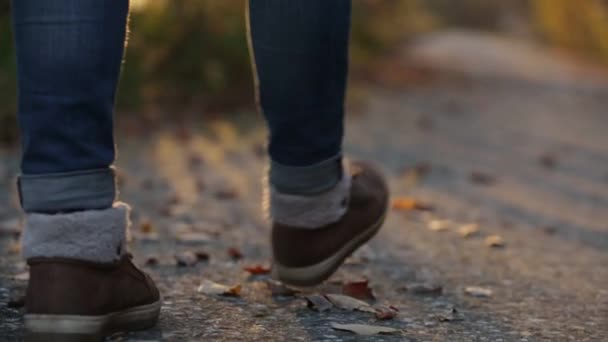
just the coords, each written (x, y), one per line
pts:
(69, 55)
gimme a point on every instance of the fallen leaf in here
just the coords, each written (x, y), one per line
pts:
(349, 303)
(425, 289)
(192, 237)
(495, 241)
(439, 225)
(318, 303)
(364, 329)
(151, 261)
(278, 289)
(477, 291)
(212, 288)
(386, 312)
(358, 289)
(186, 259)
(468, 230)
(404, 203)
(235, 253)
(257, 269)
(482, 178)
(202, 256)
(146, 227)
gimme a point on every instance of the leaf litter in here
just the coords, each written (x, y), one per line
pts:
(209, 287)
(358, 289)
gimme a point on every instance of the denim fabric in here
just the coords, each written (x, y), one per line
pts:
(69, 56)
(301, 53)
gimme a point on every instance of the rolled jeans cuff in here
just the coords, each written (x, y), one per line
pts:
(68, 191)
(306, 180)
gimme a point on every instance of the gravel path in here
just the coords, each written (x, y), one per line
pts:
(525, 158)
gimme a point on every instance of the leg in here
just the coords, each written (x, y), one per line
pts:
(69, 54)
(321, 211)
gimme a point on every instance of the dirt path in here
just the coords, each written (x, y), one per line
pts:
(531, 130)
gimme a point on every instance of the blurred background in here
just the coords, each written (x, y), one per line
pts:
(193, 53)
(489, 118)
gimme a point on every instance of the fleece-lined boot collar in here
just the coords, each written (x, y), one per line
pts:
(92, 235)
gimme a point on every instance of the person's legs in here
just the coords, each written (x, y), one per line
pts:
(69, 54)
(321, 211)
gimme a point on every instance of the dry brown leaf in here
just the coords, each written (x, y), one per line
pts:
(477, 291)
(202, 255)
(425, 289)
(151, 261)
(186, 259)
(406, 204)
(212, 288)
(468, 230)
(146, 227)
(364, 329)
(235, 253)
(318, 303)
(349, 303)
(495, 241)
(358, 289)
(257, 269)
(278, 289)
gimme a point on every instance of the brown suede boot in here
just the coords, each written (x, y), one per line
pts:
(73, 300)
(306, 257)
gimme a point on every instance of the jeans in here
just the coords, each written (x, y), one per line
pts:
(69, 55)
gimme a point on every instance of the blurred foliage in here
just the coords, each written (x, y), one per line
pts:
(577, 25)
(194, 52)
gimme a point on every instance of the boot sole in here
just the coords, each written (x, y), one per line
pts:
(68, 328)
(315, 274)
